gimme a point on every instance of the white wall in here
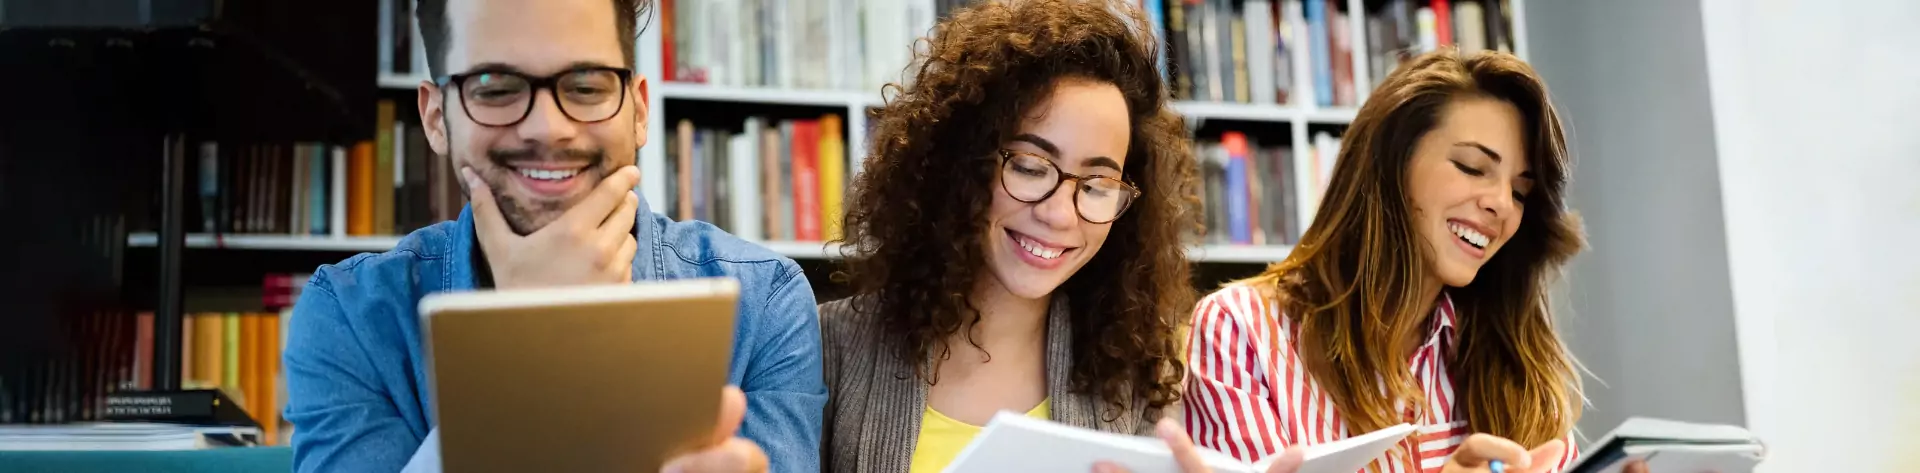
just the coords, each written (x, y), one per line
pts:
(1647, 308)
(1817, 117)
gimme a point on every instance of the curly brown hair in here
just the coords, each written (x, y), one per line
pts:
(912, 246)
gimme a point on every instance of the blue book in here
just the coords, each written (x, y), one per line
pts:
(1156, 23)
(317, 186)
(1318, 49)
(1239, 226)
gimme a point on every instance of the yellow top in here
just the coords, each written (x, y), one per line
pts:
(942, 437)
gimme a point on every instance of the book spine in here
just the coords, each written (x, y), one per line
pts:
(832, 162)
(209, 186)
(1317, 41)
(337, 193)
(743, 167)
(1442, 22)
(769, 140)
(1260, 51)
(319, 165)
(806, 180)
(383, 169)
(1235, 194)
(684, 160)
(360, 202)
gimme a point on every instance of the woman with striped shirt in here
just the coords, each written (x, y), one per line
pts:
(1419, 293)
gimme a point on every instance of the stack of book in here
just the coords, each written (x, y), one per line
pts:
(1244, 51)
(389, 186)
(765, 180)
(1248, 191)
(794, 44)
(1399, 29)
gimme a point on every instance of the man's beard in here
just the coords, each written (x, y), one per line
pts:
(526, 216)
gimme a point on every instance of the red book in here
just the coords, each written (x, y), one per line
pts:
(1442, 22)
(666, 39)
(806, 180)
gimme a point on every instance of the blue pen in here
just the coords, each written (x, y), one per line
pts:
(1497, 466)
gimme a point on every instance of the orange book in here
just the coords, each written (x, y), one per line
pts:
(806, 180)
(207, 348)
(249, 363)
(267, 375)
(360, 189)
(683, 141)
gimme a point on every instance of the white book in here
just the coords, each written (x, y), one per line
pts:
(1673, 446)
(337, 222)
(749, 42)
(785, 31)
(1469, 27)
(883, 40)
(743, 180)
(1013, 443)
(1260, 50)
(1429, 37)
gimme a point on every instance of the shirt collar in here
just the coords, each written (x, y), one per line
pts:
(1444, 319)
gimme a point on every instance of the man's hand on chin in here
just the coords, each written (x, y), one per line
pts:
(591, 243)
(726, 453)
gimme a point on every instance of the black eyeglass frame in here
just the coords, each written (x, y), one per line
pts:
(535, 83)
(1006, 157)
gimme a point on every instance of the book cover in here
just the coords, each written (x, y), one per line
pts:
(806, 179)
(1180, 64)
(1469, 27)
(360, 181)
(1341, 37)
(337, 192)
(1200, 64)
(787, 182)
(744, 176)
(770, 209)
(683, 157)
(383, 169)
(1261, 50)
(832, 162)
(209, 187)
(143, 351)
(297, 193)
(419, 199)
(249, 363)
(229, 350)
(1233, 17)
(1442, 22)
(1319, 45)
(319, 194)
(1239, 231)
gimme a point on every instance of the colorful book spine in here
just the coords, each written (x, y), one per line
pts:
(832, 162)
(383, 160)
(806, 180)
(319, 166)
(1238, 227)
(360, 182)
(1317, 40)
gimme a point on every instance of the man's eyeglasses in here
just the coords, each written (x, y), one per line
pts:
(1029, 178)
(501, 98)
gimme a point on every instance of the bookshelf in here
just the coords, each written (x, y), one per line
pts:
(790, 249)
(1302, 123)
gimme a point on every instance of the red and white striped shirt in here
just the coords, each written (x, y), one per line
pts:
(1248, 395)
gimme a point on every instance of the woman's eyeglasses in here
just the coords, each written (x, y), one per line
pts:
(503, 98)
(1030, 178)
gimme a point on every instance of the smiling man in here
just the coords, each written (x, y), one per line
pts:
(535, 102)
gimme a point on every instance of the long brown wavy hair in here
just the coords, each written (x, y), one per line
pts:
(1353, 285)
(912, 246)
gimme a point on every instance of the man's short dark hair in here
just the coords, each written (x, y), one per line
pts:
(434, 29)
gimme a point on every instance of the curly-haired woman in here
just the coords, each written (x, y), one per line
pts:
(1015, 241)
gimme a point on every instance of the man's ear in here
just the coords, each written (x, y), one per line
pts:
(433, 117)
(640, 99)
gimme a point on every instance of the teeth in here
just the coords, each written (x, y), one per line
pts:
(1039, 250)
(1478, 239)
(548, 175)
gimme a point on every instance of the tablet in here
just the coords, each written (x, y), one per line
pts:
(594, 378)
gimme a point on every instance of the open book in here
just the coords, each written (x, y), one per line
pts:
(1016, 443)
(1673, 446)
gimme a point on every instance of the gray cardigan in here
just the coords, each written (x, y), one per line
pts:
(875, 402)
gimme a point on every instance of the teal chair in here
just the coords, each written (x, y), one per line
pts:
(217, 460)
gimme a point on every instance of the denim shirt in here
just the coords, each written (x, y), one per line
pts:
(357, 377)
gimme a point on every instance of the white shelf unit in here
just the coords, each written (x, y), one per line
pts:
(800, 250)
